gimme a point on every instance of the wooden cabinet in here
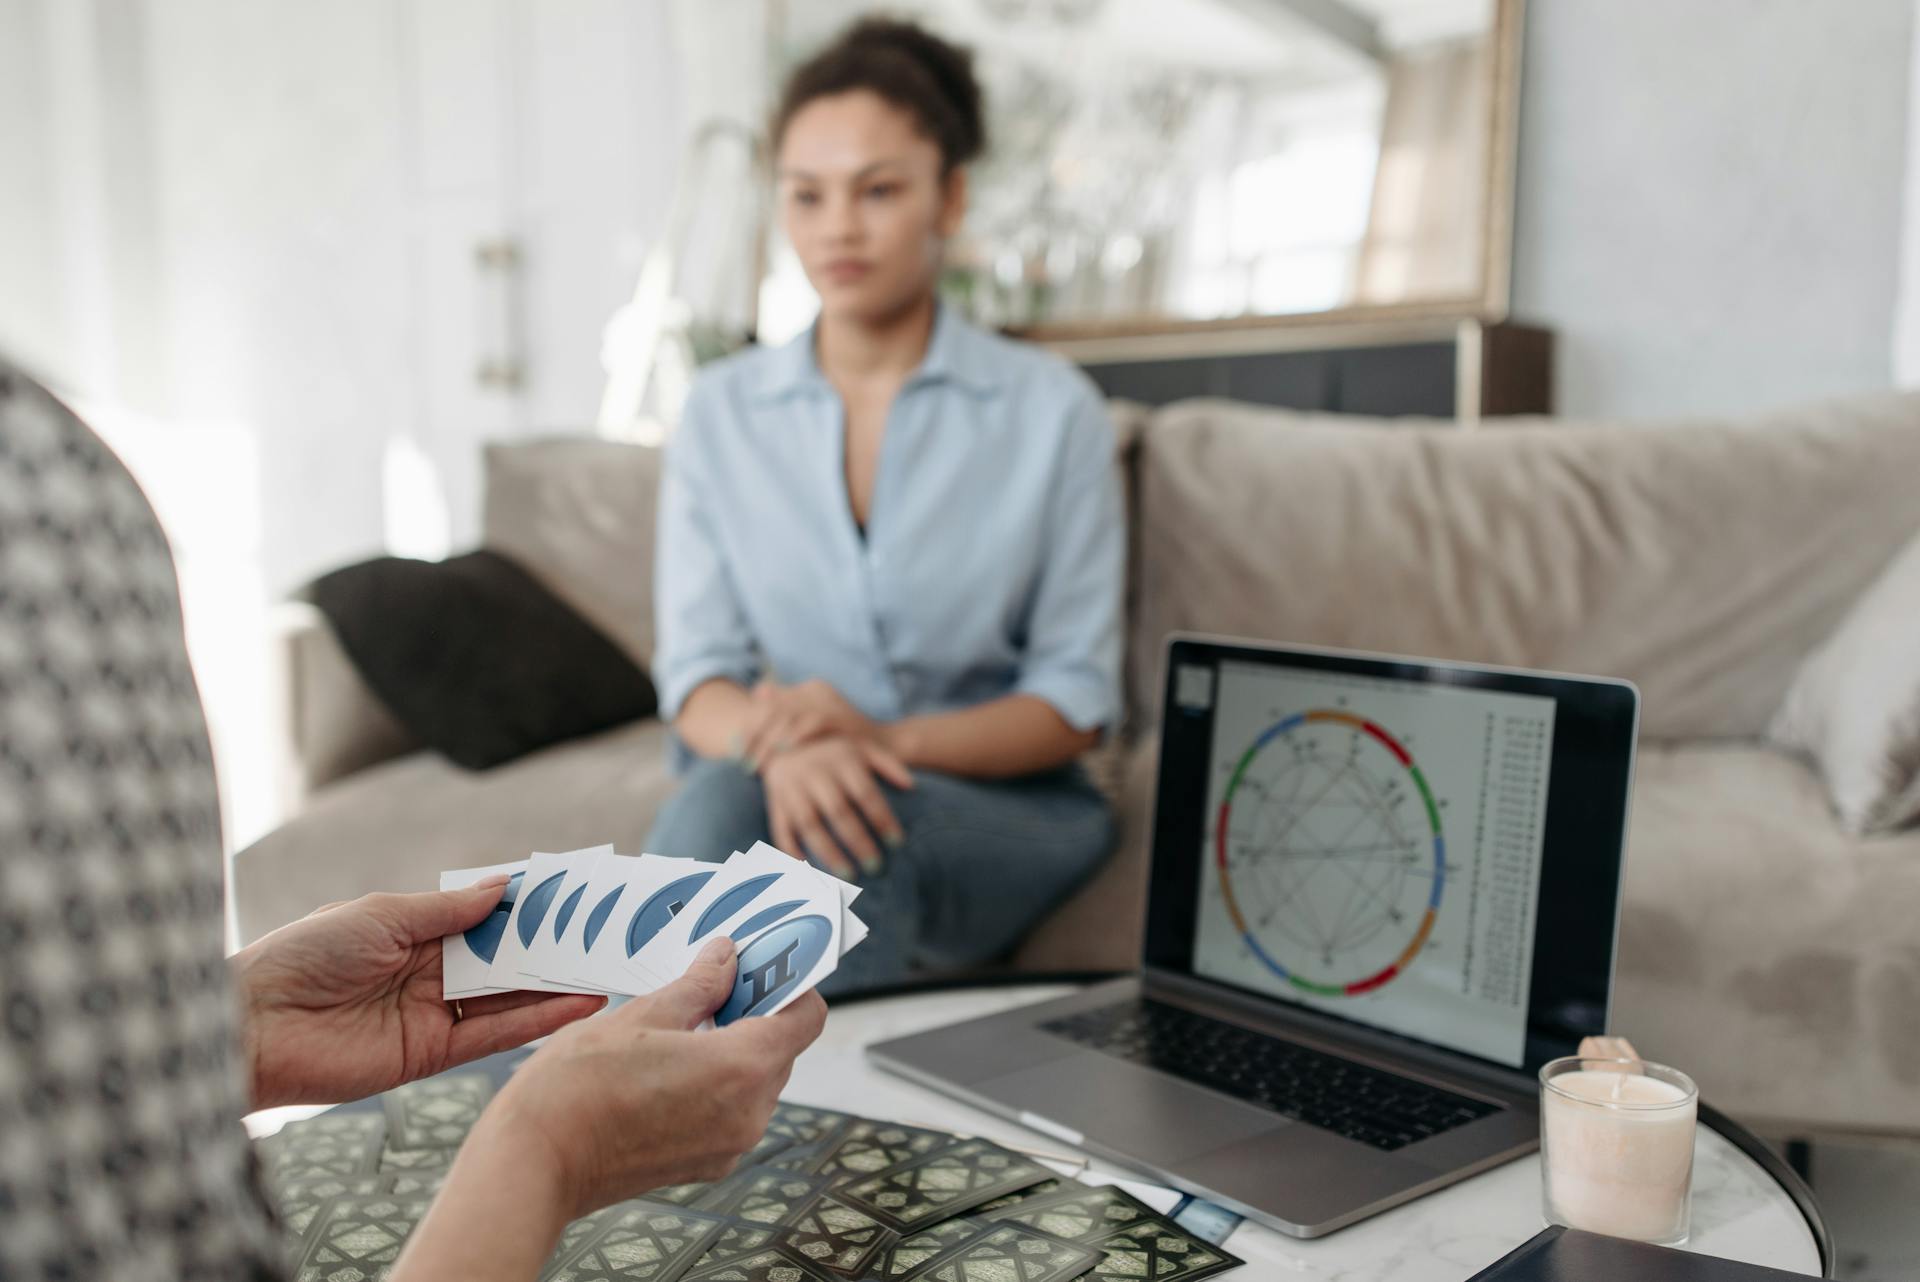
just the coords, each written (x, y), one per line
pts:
(1460, 369)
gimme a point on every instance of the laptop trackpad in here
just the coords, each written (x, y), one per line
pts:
(1130, 1110)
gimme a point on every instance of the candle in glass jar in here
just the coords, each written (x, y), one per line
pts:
(1618, 1148)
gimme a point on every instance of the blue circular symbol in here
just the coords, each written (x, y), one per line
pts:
(761, 920)
(565, 915)
(773, 964)
(662, 907)
(539, 899)
(730, 902)
(484, 939)
(598, 917)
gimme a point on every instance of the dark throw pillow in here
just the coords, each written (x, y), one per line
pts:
(475, 657)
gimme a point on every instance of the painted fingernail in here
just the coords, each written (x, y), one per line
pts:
(895, 839)
(488, 883)
(737, 746)
(869, 866)
(717, 949)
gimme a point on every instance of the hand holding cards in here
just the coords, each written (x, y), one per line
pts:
(593, 921)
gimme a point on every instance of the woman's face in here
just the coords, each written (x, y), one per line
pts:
(864, 203)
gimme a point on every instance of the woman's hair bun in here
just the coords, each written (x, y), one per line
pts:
(907, 65)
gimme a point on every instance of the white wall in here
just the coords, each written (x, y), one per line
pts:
(1709, 198)
(264, 215)
(283, 208)
(241, 234)
(32, 305)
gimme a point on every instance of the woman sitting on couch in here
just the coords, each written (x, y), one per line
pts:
(890, 552)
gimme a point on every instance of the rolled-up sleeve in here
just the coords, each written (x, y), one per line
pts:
(701, 629)
(1072, 657)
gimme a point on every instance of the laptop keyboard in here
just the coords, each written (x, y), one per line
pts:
(1364, 1104)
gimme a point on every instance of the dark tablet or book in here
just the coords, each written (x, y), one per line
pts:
(1570, 1255)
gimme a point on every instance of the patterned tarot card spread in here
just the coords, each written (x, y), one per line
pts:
(771, 1149)
(357, 1239)
(795, 1137)
(1161, 1251)
(793, 1157)
(684, 1194)
(1041, 1189)
(867, 1148)
(824, 1197)
(330, 1144)
(1010, 1253)
(772, 1265)
(297, 1171)
(773, 1198)
(414, 1183)
(417, 1159)
(571, 1239)
(942, 1184)
(301, 1201)
(909, 1253)
(1076, 1213)
(638, 1242)
(736, 1239)
(835, 1235)
(437, 1112)
(800, 1124)
(324, 1188)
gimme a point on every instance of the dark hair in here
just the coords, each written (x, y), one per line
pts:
(908, 66)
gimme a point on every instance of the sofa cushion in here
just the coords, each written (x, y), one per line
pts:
(1701, 560)
(1762, 950)
(1855, 707)
(1102, 925)
(330, 723)
(478, 659)
(578, 512)
(396, 825)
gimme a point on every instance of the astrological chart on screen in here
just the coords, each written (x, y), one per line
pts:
(1372, 849)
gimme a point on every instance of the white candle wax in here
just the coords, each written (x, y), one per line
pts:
(1619, 1154)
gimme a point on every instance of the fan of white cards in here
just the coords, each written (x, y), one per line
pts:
(592, 921)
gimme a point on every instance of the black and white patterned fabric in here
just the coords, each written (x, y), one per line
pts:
(121, 1089)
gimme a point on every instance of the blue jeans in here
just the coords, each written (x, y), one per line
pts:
(982, 861)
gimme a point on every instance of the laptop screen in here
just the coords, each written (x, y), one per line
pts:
(1380, 841)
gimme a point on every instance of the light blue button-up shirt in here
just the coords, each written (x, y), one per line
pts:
(992, 560)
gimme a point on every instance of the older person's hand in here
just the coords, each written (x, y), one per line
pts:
(607, 1110)
(347, 1001)
(646, 1097)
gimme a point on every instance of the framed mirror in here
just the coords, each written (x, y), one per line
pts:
(1185, 166)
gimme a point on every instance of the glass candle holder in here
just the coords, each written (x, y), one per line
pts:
(1616, 1147)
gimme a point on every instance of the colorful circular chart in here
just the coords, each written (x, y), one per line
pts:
(1330, 853)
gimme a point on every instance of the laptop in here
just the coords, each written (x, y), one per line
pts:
(1383, 891)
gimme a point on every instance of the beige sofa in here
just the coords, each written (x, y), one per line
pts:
(1761, 948)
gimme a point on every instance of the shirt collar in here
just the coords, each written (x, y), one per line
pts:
(957, 353)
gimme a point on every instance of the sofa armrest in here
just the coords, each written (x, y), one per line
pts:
(330, 723)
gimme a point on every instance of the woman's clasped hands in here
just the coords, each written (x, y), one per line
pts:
(823, 763)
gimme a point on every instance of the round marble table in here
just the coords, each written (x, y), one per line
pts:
(1740, 1210)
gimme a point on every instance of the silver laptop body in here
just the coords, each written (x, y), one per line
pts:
(1242, 1064)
